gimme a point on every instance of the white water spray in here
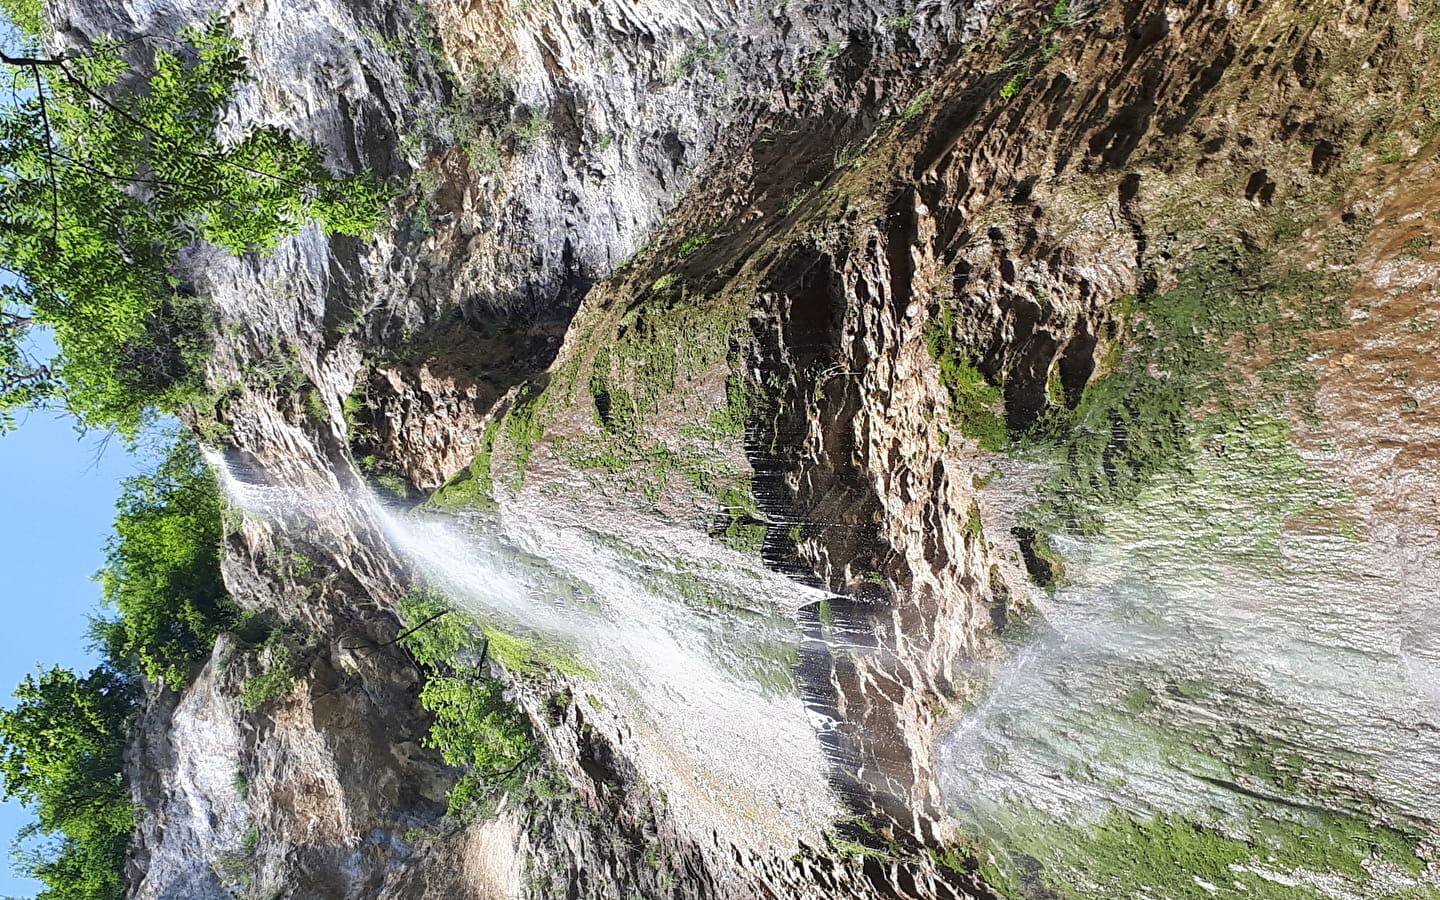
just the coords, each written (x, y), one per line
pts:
(1208, 659)
(693, 643)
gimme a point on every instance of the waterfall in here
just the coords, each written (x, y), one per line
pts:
(683, 645)
(1230, 651)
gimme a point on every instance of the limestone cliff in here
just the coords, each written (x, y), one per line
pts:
(791, 278)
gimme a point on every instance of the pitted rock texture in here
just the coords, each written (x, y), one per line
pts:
(1016, 211)
(851, 178)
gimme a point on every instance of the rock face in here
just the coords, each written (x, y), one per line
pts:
(862, 231)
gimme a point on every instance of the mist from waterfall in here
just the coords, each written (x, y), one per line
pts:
(1232, 650)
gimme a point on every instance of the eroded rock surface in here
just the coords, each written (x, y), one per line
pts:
(823, 211)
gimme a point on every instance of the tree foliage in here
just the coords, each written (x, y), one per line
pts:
(27, 15)
(162, 569)
(105, 175)
(61, 751)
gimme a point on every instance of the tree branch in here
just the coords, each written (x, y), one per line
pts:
(401, 636)
(495, 778)
(50, 164)
(132, 179)
(31, 61)
(213, 158)
(9, 381)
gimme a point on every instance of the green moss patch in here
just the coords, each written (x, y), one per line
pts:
(974, 402)
(1175, 384)
(1185, 857)
(472, 487)
(522, 655)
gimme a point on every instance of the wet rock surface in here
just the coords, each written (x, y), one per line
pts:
(894, 232)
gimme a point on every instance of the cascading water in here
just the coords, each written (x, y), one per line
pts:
(1219, 663)
(695, 643)
(1232, 653)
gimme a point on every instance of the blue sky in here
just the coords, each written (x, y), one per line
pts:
(57, 501)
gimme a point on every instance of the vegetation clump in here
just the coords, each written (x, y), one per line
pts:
(1131, 425)
(692, 245)
(473, 486)
(973, 400)
(740, 524)
(275, 682)
(475, 728)
(657, 369)
(162, 570)
(1042, 561)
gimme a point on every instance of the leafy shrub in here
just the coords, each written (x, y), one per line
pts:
(275, 682)
(475, 728)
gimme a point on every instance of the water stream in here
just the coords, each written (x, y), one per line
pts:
(1232, 694)
(690, 645)
(683, 646)
(1231, 653)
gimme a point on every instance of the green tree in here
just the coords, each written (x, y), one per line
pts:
(61, 754)
(27, 15)
(105, 175)
(162, 570)
(61, 746)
